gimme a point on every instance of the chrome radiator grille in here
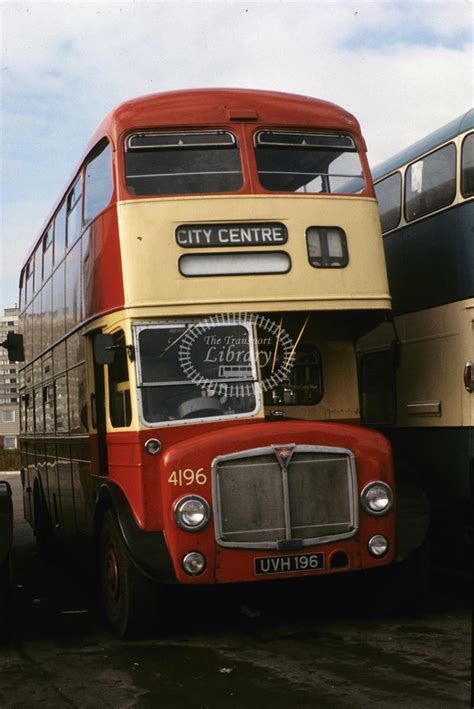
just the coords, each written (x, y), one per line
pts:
(261, 503)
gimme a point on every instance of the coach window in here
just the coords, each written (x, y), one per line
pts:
(119, 385)
(430, 183)
(467, 166)
(308, 162)
(74, 212)
(98, 184)
(389, 197)
(60, 234)
(196, 162)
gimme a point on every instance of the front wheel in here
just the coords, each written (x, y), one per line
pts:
(129, 598)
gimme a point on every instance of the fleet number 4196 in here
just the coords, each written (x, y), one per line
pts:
(188, 476)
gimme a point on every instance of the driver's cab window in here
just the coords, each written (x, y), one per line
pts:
(119, 384)
(303, 385)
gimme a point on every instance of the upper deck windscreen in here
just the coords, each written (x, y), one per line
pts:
(203, 162)
(182, 163)
(308, 162)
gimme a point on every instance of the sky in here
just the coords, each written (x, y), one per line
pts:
(402, 67)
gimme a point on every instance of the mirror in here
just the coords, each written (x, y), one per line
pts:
(14, 345)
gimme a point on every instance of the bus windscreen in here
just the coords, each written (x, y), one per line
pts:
(308, 162)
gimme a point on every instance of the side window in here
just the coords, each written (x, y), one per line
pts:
(48, 408)
(430, 182)
(377, 383)
(30, 412)
(119, 385)
(60, 234)
(74, 212)
(389, 197)
(29, 280)
(38, 405)
(48, 252)
(61, 404)
(467, 166)
(98, 184)
(77, 399)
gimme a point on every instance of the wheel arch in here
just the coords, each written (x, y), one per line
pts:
(148, 549)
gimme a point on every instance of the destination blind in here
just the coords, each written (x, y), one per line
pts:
(247, 234)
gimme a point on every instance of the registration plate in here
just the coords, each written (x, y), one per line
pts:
(288, 564)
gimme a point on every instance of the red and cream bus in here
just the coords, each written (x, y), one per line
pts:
(190, 400)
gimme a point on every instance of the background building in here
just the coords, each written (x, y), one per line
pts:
(9, 396)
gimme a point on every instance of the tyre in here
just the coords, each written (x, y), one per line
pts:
(130, 599)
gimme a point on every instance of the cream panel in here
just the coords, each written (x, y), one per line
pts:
(436, 343)
(150, 255)
(341, 397)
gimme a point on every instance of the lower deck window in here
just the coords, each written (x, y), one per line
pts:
(189, 372)
(119, 385)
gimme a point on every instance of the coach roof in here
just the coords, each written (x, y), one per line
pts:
(423, 146)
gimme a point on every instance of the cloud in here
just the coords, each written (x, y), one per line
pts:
(65, 65)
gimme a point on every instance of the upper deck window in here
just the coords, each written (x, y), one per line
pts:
(308, 162)
(182, 163)
(98, 182)
(389, 197)
(48, 252)
(430, 182)
(467, 166)
(74, 212)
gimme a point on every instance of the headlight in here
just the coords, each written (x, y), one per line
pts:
(378, 546)
(376, 498)
(192, 513)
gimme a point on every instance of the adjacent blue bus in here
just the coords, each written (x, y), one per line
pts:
(418, 372)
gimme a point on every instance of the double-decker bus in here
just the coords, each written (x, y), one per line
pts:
(422, 397)
(190, 399)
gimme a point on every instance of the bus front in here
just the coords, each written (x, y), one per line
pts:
(252, 261)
